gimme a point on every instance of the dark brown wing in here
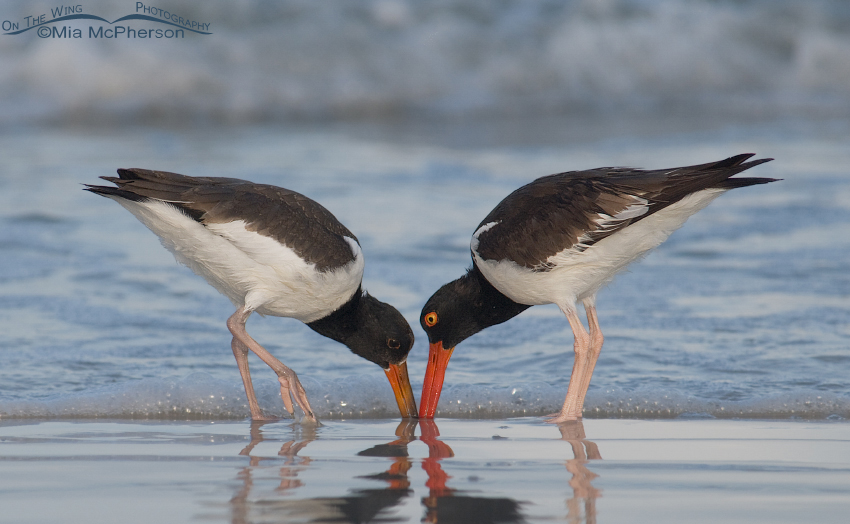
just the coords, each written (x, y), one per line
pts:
(579, 208)
(291, 218)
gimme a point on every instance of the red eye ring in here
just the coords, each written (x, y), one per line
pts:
(431, 319)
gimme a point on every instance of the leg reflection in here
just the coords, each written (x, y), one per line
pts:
(241, 504)
(255, 502)
(584, 494)
(447, 505)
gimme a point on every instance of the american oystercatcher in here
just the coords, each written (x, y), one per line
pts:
(276, 252)
(558, 240)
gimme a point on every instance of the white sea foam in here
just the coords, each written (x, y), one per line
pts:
(279, 60)
(199, 396)
(542, 399)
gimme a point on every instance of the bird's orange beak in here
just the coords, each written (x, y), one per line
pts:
(438, 360)
(397, 374)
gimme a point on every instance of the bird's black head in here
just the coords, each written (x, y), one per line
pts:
(464, 307)
(370, 328)
(454, 313)
(377, 332)
(450, 315)
(382, 336)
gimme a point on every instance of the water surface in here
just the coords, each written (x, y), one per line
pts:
(741, 313)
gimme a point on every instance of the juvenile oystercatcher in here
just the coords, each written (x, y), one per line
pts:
(276, 252)
(558, 240)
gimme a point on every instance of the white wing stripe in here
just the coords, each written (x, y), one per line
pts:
(473, 244)
(604, 222)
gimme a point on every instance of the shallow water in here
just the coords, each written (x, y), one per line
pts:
(513, 470)
(741, 313)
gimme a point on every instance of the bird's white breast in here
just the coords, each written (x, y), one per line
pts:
(249, 268)
(576, 275)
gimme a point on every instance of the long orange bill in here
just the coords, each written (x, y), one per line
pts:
(438, 360)
(397, 374)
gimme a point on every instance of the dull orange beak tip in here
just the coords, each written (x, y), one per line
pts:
(400, 382)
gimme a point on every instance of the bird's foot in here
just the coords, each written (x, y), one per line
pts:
(264, 418)
(286, 396)
(291, 389)
(309, 419)
(560, 418)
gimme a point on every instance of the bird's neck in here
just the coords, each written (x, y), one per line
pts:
(491, 306)
(342, 323)
(474, 306)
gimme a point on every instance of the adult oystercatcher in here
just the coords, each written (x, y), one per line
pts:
(276, 252)
(558, 240)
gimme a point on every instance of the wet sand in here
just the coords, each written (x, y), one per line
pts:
(513, 470)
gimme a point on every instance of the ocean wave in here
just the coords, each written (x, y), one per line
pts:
(388, 58)
(202, 397)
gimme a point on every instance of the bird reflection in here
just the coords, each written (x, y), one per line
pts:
(256, 500)
(374, 505)
(584, 494)
(396, 475)
(446, 505)
(359, 506)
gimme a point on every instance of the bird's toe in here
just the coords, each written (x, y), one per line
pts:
(560, 418)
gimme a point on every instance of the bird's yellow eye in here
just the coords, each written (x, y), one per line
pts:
(431, 319)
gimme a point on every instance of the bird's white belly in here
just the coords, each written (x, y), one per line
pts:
(249, 268)
(577, 275)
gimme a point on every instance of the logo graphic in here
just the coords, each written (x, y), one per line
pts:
(46, 28)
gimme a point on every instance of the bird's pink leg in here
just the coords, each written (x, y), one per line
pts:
(240, 351)
(572, 403)
(596, 340)
(289, 383)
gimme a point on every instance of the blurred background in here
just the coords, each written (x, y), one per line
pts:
(396, 61)
(410, 121)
